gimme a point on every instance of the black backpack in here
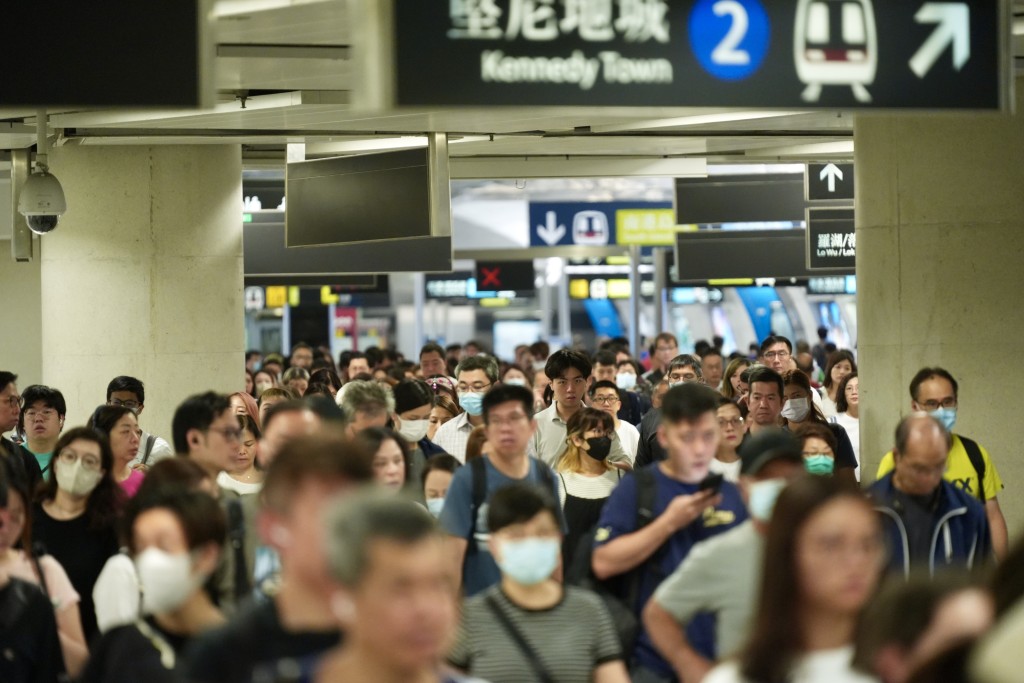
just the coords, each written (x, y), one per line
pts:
(620, 593)
(478, 468)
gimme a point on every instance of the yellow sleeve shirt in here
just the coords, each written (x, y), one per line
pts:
(960, 472)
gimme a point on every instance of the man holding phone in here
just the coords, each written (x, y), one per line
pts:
(682, 514)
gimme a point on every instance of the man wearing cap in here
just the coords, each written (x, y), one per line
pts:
(721, 576)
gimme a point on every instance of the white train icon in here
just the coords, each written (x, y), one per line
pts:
(835, 43)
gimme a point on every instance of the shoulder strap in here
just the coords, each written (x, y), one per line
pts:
(977, 461)
(646, 490)
(543, 675)
(236, 535)
(150, 440)
(34, 554)
(478, 468)
(545, 474)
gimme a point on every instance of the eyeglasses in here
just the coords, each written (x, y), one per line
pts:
(510, 421)
(46, 414)
(676, 377)
(735, 422)
(89, 462)
(129, 404)
(935, 405)
(229, 433)
(476, 386)
(13, 401)
(605, 400)
(781, 355)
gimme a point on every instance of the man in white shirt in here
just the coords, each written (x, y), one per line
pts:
(476, 374)
(130, 393)
(607, 398)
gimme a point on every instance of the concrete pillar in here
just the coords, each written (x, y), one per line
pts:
(143, 276)
(940, 241)
(21, 318)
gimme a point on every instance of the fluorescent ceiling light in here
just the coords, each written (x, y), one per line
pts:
(752, 169)
(696, 120)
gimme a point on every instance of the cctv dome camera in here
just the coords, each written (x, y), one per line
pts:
(42, 202)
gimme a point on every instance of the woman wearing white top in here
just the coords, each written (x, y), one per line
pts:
(244, 477)
(822, 560)
(840, 364)
(607, 397)
(585, 477)
(732, 428)
(848, 415)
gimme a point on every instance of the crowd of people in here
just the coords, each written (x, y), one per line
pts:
(555, 517)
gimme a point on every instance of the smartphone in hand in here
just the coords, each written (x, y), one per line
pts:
(712, 482)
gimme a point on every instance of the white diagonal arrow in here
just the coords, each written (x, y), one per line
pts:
(953, 21)
(833, 173)
(552, 232)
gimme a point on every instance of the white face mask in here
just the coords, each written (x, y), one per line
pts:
(414, 430)
(796, 409)
(516, 382)
(166, 579)
(75, 479)
(625, 380)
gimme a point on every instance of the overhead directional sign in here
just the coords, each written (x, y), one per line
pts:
(831, 239)
(829, 181)
(599, 224)
(657, 53)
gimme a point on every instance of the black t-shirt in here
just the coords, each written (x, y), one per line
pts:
(134, 654)
(23, 466)
(82, 552)
(253, 639)
(28, 635)
(917, 513)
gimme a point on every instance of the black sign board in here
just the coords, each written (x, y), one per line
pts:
(686, 53)
(831, 239)
(732, 254)
(108, 54)
(829, 181)
(740, 198)
(501, 276)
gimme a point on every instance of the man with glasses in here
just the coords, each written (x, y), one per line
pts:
(569, 372)
(23, 465)
(663, 350)
(131, 393)
(41, 422)
(684, 369)
(936, 392)
(476, 375)
(930, 524)
(777, 354)
(509, 426)
(607, 397)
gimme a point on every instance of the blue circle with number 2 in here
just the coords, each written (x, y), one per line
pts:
(729, 37)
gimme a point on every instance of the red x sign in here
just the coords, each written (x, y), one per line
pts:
(491, 277)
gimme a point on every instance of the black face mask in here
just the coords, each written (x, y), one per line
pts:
(600, 447)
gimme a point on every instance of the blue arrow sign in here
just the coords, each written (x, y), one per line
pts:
(562, 224)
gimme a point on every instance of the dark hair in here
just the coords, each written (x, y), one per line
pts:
(105, 417)
(835, 359)
(50, 397)
(906, 427)
(106, 500)
(290, 406)
(819, 431)
(563, 360)
(445, 402)
(325, 457)
(246, 423)
(295, 373)
(1007, 582)
(182, 472)
(775, 636)
(925, 374)
(317, 389)
(373, 355)
(411, 394)
(798, 378)
(950, 665)
(604, 358)
(768, 376)
(540, 349)
(503, 393)
(325, 376)
(432, 347)
(773, 339)
(518, 503)
(686, 360)
(201, 517)
(485, 363)
(356, 355)
(301, 345)
(6, 378)
(842, 405)
(196, 412)
(442, 462)
(604, 384)
(688, 402)
(710, 351)
(126, 383)
(475, 442)
(372, 438)
(253, 353)
(664, 337)
(900, 613)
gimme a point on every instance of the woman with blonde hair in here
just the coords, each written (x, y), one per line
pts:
(585, 477)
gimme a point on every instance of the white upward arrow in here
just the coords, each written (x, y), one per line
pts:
(954, 27)
(833, 173)
(552, 232)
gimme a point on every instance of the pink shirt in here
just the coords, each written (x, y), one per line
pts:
(133, 482)
(62, 593)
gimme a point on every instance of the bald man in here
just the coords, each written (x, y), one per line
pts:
(929, 523)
